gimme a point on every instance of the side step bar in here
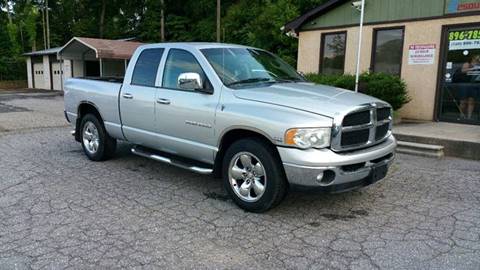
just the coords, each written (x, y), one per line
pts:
(181, 164)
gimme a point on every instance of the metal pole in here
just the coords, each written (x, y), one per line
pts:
(61, 73)
(359, 51)
(101, 68)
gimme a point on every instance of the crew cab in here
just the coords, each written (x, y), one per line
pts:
(238, 113)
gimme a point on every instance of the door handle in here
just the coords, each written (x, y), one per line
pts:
(127, 96)
(163, 101)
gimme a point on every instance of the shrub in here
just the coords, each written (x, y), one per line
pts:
(389, 88)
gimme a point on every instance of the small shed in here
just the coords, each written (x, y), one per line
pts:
(80, 57)
(44, 69)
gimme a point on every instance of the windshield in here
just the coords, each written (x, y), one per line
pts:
(243, 67)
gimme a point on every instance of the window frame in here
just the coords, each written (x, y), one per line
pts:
(374, 46)
(164, 68)
(156, 73)
(322, 49)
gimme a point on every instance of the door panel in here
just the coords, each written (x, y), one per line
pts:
(185, 117)
(56, 76)
(137, 99)
(187, 124)
(137, 107)
(38, 78)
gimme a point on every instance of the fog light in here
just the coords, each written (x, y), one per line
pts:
(326, 178)
(320, 177)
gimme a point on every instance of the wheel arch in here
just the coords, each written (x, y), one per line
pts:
(84, 108)
(232, 135)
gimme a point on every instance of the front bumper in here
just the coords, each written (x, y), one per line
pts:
(336, 172)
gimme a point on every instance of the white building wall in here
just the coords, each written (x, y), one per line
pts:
(77, 68)
(47, 72)
(29, 72)
(67, 69)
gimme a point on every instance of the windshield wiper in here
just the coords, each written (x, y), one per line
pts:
(288, 80)
(251, 80)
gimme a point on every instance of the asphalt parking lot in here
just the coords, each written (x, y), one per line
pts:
(60, 211)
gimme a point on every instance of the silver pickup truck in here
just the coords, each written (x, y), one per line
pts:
(238, 113)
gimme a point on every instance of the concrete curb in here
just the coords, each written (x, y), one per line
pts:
(452, 148)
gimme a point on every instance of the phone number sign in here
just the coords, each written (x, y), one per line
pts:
(464, 40)
(421, 54)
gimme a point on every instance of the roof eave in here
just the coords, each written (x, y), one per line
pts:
(295, 24)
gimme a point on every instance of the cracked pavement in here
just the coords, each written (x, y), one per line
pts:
(60, 211)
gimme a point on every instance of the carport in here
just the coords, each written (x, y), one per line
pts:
(91, 57)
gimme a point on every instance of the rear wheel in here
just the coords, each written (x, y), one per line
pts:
(96, 143)
(253, 175)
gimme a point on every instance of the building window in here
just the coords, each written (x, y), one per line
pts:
(387, 50)
(332, 53)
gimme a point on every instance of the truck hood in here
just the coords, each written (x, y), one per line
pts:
(319, 99)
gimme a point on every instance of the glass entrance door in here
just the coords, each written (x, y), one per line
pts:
(460, 83)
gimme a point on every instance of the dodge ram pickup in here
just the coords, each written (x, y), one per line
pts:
(238, 113)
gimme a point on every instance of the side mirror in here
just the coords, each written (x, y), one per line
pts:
(190, 81)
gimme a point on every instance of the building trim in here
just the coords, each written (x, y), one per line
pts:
(80, 41)
(298, 22)
(51, 73)
(322, 47)
(446, 16)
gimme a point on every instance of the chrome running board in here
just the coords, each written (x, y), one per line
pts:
(177, 163)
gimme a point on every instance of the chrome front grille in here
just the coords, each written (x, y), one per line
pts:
(365, 126)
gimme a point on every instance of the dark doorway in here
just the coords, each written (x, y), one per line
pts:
(92, 69)
(460, 75)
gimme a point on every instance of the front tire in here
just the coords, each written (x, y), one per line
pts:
(253, 175)
(96, 143)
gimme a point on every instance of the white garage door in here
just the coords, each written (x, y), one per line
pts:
(56, 76)
(38, 79)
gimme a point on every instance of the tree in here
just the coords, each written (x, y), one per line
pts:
(250, 22)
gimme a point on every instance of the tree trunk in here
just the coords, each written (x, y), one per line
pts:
(48, 24)
(44, 30)
(218, 20)
(8, 12)
(102, 18)
(162, 21)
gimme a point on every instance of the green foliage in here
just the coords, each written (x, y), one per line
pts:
(31, 14)
(12, 30)
(12, 69)
(249, 22)
(389, 88)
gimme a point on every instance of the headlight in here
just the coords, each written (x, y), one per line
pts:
(308, 137)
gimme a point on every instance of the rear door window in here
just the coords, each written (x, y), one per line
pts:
(146, 68)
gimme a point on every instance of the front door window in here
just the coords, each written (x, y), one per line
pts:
(460, 85)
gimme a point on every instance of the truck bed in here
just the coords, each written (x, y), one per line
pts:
(103, 92)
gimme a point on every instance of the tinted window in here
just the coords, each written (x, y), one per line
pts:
(388, 48)
(146, 68)
(178, 62)
(333, 53)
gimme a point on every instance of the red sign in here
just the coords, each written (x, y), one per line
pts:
(468, 6)
(421, 54)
